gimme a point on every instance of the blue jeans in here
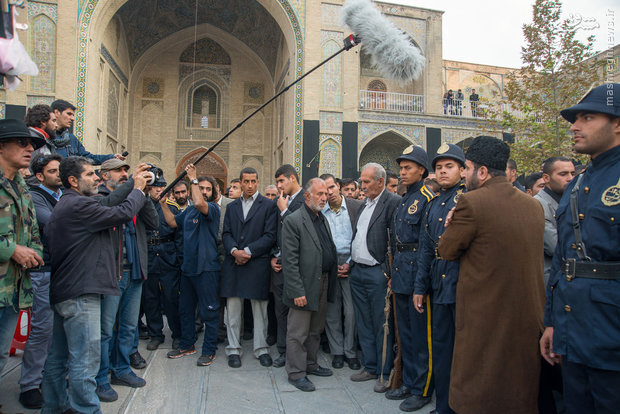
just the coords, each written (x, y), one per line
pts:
(120, 311)
(40, 336)
(204, 290)
(75, 350)
(8, 321)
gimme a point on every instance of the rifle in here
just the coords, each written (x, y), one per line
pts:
(396, 376)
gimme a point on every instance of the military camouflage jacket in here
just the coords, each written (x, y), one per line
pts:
(18, 225)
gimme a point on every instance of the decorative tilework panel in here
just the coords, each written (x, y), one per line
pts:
(324, 137)
(186, 70)
(153, 88)
(454, 136)
(330, 159)
(367, 131)
(205, 51)
(2, 110)
(299, 8)
(330, 121)
(114, 90)
(44, 53)
(35, 8)
(332, 71)
(330, 15)
(108, 58)
(253, 92)
(416, 28)
(32, 100)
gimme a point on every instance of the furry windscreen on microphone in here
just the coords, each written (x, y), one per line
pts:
(391, 50)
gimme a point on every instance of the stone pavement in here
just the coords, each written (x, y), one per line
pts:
(179, 386)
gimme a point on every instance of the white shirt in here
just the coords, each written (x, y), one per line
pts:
(247, 203)
(290, 200)
(359, 246)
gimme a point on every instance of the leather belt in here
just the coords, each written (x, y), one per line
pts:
(160, 240)
(406, 247)
(591, 270)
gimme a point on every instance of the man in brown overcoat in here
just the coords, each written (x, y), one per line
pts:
(497, 233)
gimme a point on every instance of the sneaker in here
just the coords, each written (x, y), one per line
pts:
(129, 380)
(106, 393)
(205, 360)
(363, 376)
(136, 361)
(31, 399)
(178, 353)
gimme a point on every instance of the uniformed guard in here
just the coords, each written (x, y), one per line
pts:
(436, 276)
(162, 286)
(413, 327)
(582, 314)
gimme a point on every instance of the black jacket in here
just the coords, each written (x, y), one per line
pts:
(147, 219)
(81, 244)
(44, 204)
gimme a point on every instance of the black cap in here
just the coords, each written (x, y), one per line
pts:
(14, 128)
(489, 151)
(604, 99)
(449, 151)
(416, 154)
(159, 182)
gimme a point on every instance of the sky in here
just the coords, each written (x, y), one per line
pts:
(490, 31)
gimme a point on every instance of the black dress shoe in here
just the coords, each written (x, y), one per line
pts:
(234, 361)
(136, 361)
(265, 360)
(303, 384)
(280, 361)
(31, 399)
(399, 393)
(321, 372)
(354, 364)
(338, 361)
(414, 403)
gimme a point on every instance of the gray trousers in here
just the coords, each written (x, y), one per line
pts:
(303, 337)
(341, 342)
(281, 310)
(233, 317)
(40, 338)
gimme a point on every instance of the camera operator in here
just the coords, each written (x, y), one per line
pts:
(130, 244)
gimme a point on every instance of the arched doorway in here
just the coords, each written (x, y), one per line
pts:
(384, 149)
(212, 165)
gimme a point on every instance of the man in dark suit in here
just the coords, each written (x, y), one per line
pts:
(307, 279)
(290, 199)
(340, 213)
(249, 233)
(368, 275)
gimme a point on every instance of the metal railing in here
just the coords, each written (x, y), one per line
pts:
(477, 109)
(391, 101)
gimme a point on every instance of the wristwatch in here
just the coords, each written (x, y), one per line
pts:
(194, 181)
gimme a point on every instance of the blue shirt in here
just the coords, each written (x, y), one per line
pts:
(52, 192)
(433, 274)
(340, 225)
(199, 239)
(585, 313)
(406, 228)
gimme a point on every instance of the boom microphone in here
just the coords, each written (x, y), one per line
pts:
(391, 51)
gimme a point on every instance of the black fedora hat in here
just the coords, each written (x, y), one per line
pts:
(14, 128)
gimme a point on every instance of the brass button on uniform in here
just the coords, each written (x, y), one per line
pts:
(396, 269)
(611, 219)
(586, 190)
(443, 204)
(573, 246)
(440, 219)
(567, 308)
(581, 216)
(443, 276)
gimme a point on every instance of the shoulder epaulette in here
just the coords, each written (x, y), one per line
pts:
(428, 193)
(173, 203)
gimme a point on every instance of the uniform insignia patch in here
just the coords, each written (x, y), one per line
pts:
(611, 196)
(195, 221)
(457, 195)
(413, 208)
(443, 148)
(408, 150)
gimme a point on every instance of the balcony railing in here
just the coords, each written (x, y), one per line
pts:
(391, 101)
(477, 109)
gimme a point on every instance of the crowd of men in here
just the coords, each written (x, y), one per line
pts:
(436, 281)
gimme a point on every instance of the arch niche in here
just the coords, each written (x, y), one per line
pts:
(212, 165)
(384, 149)
(95, 15)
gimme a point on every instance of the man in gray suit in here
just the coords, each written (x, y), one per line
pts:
(340, 213)
(557, 173)
(308, 278)
(368, 278)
